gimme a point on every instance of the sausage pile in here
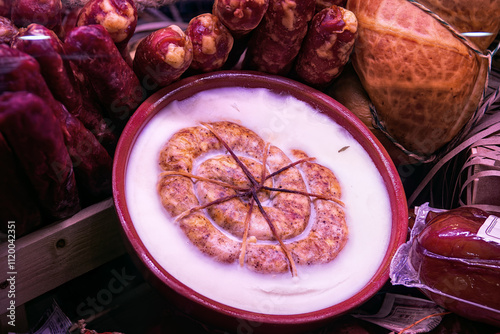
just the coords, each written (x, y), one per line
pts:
(68, 83)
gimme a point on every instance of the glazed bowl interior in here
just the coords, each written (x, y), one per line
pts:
(321, 102)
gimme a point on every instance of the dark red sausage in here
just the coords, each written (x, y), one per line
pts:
(113, 80)
(119, 17)
(7, 30)
(44, 45)
(459, 264)
(47, 12)
(327, 46)
(5, 8)
(17, 198)
(240, 16)
(211, 41)
(162, 57)
(322, 4)
(35, 135)
(276, 41)
(92, 163)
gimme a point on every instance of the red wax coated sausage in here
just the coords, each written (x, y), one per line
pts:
(35, 135)
(162, 57)
(276, 42)
(17, 198)
(47, 12)
(327, 46)
(211, 41)
(113, 80)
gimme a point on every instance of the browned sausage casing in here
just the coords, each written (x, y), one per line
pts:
(211, 41)
(240, 16)
(162, 57)
(47, 12)
(35, 135)
(327, 46)
(276, 42)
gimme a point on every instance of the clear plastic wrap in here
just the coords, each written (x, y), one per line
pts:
(453, 256)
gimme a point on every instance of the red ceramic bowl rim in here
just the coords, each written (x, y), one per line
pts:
(187, 87)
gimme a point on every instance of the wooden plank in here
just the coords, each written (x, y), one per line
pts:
(60, 252)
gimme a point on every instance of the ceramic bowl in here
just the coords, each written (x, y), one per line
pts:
(217, 313)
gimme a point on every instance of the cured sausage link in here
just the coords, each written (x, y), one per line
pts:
(240, 16)
(91, 162)
(44, 45)
(92, 49)
(47, 13)
(34, 134)
(275, 43)
(162, 57)
(211, 41)
(17, 199)
(327, 46)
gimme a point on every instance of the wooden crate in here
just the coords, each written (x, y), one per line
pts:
(58, 253)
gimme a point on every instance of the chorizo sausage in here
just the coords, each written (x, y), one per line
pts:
(276, 42)
(119, 17)
(34, 133)
(328, 45)
(211, 41)
(44, 45)
(113, 80)
(47, 13)
(92, 163)
(17, 200)
(162, 57)
(240, 16)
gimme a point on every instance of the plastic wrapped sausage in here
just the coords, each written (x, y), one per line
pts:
(327, 46)
(276, 42)
(47, 13)
(240, 16)
(162, 57)
(7, 30)
(453, 256)
(17, 198)
(91, 162)
(119, 17)
(44, 45)
(35, 136)
(211, 41)
(113, 80)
